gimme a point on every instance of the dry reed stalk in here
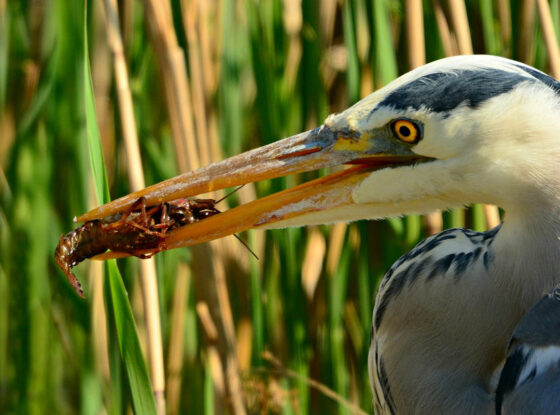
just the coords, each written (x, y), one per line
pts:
(355, 388)
(215, 149)
(433, 222)
(217, 371)
(415, 33)
(448, 41)
(492, 216)
(210, 67)
(8, 134)
(102, 78)
(214, 360)
(174, 74)
(293, 60)
(210, 286)
(363, 33)
(4, 186)
(293, 20)
(206, 321)
(353, 327)
(99, 321)
(316, 245)
(202, 82)
(127, 21)
(190, 18)
(363, 47)
(244, 344)
(549, 37)
(313, 261)
(366, 82)
(327, 17)
(332, 61)
(130, 137)
(172, 66)
(175, 352)
(335, 61)
(461, 26)
(526, 27)
(336, 241)
(228, 344)
(209, 50)
(228, 375)
(136, 177)
(235, 385)
(233, 379)
(191, 15)
(504, 16)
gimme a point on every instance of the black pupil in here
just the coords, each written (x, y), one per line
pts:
(404, 131)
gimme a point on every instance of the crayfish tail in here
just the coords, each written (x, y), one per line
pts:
(72, 279)
(75, 283)
(61, 256)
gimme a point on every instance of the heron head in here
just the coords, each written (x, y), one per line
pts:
(483, 129)
(461, 130)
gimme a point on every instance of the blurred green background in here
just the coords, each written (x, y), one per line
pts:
(288, 333)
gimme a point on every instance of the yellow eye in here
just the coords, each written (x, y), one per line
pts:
(406, 130)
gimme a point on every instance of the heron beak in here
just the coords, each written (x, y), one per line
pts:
(319, 148)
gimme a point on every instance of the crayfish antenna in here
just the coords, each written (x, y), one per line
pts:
(246, 246)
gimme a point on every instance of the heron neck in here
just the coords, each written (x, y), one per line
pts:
(527, 248)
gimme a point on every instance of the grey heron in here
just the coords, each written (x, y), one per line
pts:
(462, 130)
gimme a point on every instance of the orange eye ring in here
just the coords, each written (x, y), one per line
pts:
(406, 131)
